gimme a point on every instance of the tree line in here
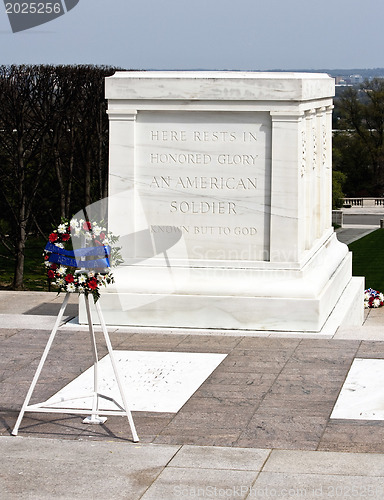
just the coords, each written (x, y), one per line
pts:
(358, 140)
(53, 150)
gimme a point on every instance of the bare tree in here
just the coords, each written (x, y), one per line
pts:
(53, 148)
(92, 131)
(23, 167)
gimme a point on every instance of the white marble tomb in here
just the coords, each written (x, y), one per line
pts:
(220, 188)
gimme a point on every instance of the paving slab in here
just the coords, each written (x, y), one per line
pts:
(322, 462)
(46, 303)
(284, 430)
(21, 321)
(355, 436)
(370, 349)
(350, 233)
(175, 483)
(211, 457)
(46, 469)
(312, 486)
(375, 331)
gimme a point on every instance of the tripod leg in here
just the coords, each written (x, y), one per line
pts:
(41, 364)
(93, 419)
(116, 372)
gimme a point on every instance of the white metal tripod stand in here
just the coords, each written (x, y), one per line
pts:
(94, 413)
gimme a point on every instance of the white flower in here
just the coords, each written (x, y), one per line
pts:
(73, 223)
(59, 245)
(82, 278)
(96, 230)
(91, 274)
(376, 302)
(47, 263)
(62, 270)
(60, 281)
(62, 228)
(80, 289)
(71, 287)
(101, 278)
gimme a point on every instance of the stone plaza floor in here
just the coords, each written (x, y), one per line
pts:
(259, 425)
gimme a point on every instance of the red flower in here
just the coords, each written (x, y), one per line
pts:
(46, 257)
(51, 274)
(87, 226)
(92, 284)
(102, 236)
(69, 278)
(65, 237)
(54, 266)
(53, 237)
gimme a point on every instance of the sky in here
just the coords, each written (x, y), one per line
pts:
(204, 34)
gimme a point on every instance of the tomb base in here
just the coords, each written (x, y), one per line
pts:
(284, 298)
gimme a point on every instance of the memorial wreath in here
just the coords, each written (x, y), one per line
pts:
(373, 298)
(86, 267)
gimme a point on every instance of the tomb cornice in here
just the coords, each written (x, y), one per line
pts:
(218, 86)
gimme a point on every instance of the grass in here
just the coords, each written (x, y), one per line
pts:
(368, 259)
(34, 274)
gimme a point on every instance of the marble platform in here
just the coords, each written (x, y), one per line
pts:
(153, 381)
(362, 395)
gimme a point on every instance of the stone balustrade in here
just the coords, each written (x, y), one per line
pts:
(363, 202)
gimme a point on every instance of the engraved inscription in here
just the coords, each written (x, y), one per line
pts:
(206, 174)
(190, 159)
(204, 182)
